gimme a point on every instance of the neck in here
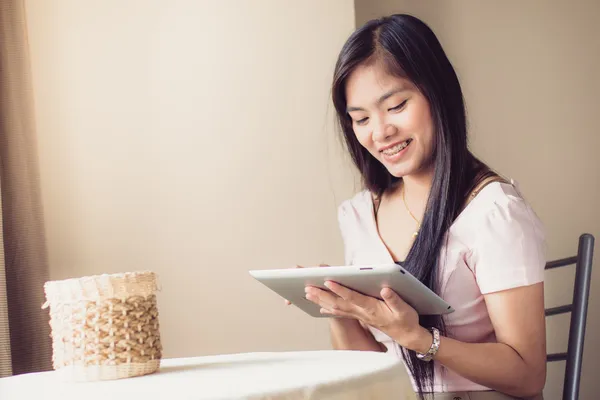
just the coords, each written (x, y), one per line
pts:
(416, 189)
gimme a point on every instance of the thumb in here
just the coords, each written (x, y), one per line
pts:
(391, 298)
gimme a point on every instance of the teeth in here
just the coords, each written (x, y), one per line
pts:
(397, 148)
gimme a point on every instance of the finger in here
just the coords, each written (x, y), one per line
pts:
(317, 296)
(337, 313)
(326, 299)
(393, 301)
(349, 295)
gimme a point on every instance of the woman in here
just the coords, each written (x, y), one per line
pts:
(431, 205)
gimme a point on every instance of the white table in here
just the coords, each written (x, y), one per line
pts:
(331, 375)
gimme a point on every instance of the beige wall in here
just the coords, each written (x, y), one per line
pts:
(176, 136)
(529, 72)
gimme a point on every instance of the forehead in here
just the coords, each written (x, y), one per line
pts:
(368, 82)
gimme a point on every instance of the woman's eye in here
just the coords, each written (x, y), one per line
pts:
(399, 106)
(362, 121)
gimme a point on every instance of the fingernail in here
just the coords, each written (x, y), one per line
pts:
(328, 284)
(306, 289)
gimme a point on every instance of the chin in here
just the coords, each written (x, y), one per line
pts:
(409, 167)
(399, 171)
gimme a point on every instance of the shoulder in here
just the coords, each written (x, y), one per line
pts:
(352, 218)
(499, 206)
(356, 205)
(505, 237)
(355, 214)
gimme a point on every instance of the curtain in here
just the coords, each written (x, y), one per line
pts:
(5, 355)
(25, 344)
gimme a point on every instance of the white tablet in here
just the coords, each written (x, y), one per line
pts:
(366, 279)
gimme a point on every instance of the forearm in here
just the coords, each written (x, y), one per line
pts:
(348, 334)
(495, 365)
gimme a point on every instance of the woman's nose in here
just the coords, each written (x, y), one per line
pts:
(383, 130)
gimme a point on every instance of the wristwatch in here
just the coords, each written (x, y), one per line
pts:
(435, 345)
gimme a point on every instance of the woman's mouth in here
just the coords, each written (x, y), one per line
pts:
(392, 151)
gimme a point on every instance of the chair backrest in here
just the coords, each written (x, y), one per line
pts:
(578, 310)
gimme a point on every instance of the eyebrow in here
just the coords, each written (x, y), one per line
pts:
(381, 99)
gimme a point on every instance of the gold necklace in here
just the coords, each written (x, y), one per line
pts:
(416, 233)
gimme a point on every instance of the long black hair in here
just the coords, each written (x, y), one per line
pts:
(408, 48)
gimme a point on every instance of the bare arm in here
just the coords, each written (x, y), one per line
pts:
(516, 364)
(350, 334)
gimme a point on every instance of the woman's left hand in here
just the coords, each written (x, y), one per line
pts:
(392, 316)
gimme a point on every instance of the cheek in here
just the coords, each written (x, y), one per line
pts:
(363, 135)
(428, 134)
(428, 143)
(419, 121)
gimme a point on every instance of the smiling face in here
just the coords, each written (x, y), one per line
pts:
(392, 120)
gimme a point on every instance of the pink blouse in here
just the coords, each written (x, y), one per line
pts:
(496, 243)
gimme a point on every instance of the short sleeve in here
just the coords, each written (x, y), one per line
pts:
(344, 227)
(509, 247)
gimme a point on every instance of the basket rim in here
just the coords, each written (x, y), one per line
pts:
(96, 277)
(101, 286)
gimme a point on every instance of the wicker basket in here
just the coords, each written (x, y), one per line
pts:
(104, 326)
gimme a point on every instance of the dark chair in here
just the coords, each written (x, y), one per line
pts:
(578, 310)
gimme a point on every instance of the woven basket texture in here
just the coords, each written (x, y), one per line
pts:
(104, 326)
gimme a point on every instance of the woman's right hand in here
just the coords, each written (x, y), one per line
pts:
(287, 302)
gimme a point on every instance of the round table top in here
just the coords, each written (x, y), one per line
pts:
(287, 375)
